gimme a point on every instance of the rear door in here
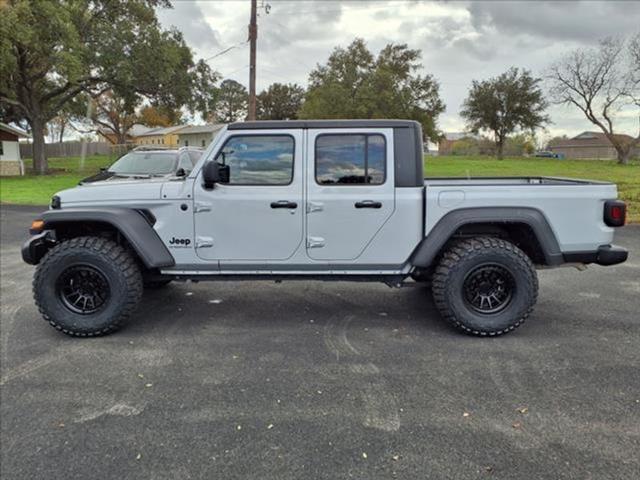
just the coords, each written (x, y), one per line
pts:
(350, 190)
(258, 214)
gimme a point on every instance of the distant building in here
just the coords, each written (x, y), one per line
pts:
(198, 135)
(167, 136)
(10, 161)
(135, 131)
(446, 143)
(589, 145)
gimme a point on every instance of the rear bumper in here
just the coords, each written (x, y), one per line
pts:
(605, 255)
(35, 248)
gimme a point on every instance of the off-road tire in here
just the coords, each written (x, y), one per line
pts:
(464, 258)
(115, 264)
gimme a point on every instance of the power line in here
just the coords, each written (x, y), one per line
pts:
(228, 49)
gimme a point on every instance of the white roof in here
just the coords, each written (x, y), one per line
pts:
(16, 131)
(208, 128)
(162, 130)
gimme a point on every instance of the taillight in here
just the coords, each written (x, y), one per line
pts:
(615, 213)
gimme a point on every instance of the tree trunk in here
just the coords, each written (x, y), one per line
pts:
(623, 158)
(500, 149)
(40, 164)
(62, 126)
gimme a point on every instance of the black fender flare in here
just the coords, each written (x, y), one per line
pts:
(129, 222)
(432, 244)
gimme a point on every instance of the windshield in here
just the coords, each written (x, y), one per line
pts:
(145, 163)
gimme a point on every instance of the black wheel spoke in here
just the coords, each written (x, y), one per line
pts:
(488, 288)
(83, 289)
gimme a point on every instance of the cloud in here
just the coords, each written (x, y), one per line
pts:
(583, 22)
(189, 19)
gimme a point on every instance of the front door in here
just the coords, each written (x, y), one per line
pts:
(257, 215)
(350, 190)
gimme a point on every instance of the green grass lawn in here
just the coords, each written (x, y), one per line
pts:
(36, 190)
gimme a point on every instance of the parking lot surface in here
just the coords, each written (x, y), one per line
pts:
(311, 380)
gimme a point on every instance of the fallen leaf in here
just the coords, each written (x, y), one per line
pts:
(239, 427)
(395, 457)
(488, 469)
(517, 425)
(522, 410)
(138, 457)
(466, 414)
(148, 385)
(270, 426)
(61, 425)
(364, 455)
(140, 375)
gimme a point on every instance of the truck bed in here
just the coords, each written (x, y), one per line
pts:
(572, 207)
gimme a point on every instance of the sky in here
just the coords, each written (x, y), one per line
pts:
(460, 41)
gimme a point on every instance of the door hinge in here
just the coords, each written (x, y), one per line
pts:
(314, 207)
(204, 242)
(202, 207)
(315, 242)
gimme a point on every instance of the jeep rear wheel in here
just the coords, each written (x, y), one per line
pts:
(87, 286)
(485, 286)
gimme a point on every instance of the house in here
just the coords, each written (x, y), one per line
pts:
(135, 131)
(199, 135)
(589, 145)
(10, 161)
(167, 136)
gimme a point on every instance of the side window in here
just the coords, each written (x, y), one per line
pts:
(350, 159)
(258, 159)
(184, 162)
(195, 156)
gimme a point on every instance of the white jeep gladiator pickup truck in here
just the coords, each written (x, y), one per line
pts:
(324, 200)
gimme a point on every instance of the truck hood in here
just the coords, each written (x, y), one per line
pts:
(113, 189)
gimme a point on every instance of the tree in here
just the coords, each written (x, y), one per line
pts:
(355, 84)
(280, 102)
(73, 111)
(505, 104)
(52, 51)
(600, 81)
(158, 116)
(112, 113)
(232, 101)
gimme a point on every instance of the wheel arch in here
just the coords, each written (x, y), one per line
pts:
(526, 227)
(134, 226)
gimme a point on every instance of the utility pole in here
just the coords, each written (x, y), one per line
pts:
(253, 36)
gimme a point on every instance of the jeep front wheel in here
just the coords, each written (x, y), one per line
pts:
(485, 286)
(87, 286)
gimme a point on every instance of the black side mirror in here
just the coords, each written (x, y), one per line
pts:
(213, 173)
(181, 173)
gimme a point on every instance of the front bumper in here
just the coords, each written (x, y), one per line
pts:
(35, 248)
(605, 255)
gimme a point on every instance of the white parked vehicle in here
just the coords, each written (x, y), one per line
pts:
(329, 200)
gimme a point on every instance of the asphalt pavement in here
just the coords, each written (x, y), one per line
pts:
(312, 380)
